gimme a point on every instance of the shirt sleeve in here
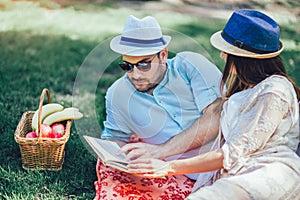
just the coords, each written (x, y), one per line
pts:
(203, 76)
(256, 123)
(114, 125)
(112, 134)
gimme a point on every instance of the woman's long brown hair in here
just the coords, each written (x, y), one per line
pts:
(251, 71)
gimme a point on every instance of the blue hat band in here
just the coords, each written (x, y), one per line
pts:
(241, 45)
(143, 43)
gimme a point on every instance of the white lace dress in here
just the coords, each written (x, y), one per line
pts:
(260, 127)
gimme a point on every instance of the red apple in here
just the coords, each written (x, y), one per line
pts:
(58, 129)
(57, 135)
(46, 130)
(31, 135)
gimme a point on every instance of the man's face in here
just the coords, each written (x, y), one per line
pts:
(145, 81)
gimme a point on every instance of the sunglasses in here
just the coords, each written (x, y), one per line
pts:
(144, 65)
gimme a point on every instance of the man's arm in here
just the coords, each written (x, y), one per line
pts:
(202, 131)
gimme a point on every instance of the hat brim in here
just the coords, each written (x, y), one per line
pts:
(136, 51)
(218, 42)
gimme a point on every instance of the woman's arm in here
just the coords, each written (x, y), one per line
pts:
(156, 168)
(206, 162)
(202, 131)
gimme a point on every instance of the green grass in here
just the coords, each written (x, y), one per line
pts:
(29, 64)
(46, 49)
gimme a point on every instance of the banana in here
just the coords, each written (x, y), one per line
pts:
(72, 108)
(66, 114)
(47, 109)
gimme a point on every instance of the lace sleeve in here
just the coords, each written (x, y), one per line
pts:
(255, 125)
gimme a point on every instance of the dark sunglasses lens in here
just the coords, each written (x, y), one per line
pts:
(126, 66)
(144, 66)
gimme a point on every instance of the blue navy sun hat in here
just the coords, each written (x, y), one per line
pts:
(140, 37)
(249, 33)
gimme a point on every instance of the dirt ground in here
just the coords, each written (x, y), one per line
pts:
(217, 8)
(283, 9)
(201, 8)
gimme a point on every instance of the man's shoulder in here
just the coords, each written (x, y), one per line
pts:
(190, 61)
(189, 55)
(191, 58)
(120, 84)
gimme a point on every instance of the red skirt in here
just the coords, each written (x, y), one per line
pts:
(113, 184)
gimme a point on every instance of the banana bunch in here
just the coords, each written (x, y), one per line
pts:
(54, 112)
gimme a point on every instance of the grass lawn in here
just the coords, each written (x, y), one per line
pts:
(65, 50)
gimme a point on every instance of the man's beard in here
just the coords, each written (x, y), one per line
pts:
(149, 89)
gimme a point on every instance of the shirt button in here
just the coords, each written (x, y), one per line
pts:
(174, 115)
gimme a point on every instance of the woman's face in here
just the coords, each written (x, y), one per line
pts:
(223, 55)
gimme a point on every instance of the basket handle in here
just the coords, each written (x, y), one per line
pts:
(45, 91)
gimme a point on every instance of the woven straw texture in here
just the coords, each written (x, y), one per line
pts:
(40, 153)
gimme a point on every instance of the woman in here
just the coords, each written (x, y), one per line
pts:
(259, 125)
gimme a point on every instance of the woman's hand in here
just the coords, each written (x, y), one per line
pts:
(150, 167)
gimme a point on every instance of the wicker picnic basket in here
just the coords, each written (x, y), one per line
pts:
(41, 153)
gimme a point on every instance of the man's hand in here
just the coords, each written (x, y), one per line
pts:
(140, 150)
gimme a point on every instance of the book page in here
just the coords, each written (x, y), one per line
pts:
(106, 150)
(112, 148)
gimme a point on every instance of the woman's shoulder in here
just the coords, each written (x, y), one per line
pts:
(275, 84)
(277, 87)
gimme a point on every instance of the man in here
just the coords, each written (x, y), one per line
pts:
(160, 101)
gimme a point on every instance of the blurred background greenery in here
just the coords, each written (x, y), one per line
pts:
(43, 45)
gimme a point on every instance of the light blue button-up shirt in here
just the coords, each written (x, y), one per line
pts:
(190, 84)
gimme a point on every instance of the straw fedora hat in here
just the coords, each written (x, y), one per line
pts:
(140, 37)
(249, 33)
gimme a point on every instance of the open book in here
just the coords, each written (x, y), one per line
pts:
(107, 151)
